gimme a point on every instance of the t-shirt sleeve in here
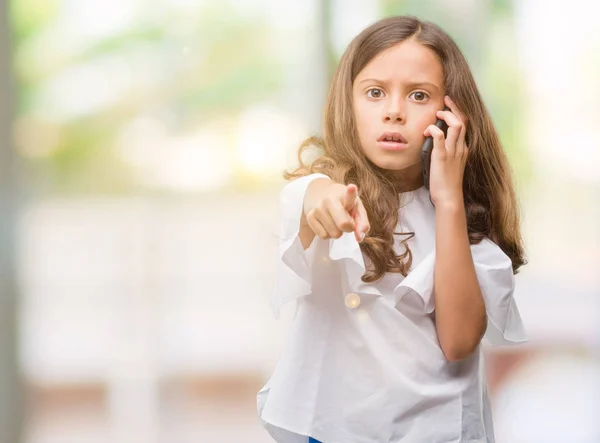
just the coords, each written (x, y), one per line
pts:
(293, 273)
(497, 282)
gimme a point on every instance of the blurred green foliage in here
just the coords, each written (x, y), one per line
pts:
(189, 67)
(219, 64)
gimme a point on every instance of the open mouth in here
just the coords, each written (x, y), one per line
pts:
(391, 137)
(392, 140)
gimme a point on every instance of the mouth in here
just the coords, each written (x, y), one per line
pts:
(392, 141)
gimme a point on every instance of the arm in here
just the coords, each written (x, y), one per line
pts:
(461, 318)
(460, 312)
(306, 234)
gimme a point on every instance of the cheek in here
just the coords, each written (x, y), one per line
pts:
(425, 120)
(361, 118)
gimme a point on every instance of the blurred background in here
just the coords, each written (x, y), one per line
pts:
(141, 149)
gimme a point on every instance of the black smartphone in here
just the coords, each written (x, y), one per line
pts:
(428, 147)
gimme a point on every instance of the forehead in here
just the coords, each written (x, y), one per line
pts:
(407, 61)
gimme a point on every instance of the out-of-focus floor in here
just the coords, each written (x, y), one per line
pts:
(192, 411)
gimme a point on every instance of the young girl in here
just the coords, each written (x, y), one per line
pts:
(395, 284)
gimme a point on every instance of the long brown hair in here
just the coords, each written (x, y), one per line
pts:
(489, 195)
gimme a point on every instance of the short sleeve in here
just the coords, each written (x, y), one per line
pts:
(497, 282)
(293, 273)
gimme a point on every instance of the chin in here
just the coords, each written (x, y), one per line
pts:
(395, 165)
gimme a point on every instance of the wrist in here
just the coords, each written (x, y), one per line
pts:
(303, 220)
(450, 205)
(311, 195)
(315, 190)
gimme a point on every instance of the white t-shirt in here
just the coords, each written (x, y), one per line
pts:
(362, 362)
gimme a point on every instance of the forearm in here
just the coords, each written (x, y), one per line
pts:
(306, 234)
(459, 306)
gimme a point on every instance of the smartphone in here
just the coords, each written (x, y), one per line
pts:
(428, 147)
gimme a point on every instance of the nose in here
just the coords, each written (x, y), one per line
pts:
(395, 112)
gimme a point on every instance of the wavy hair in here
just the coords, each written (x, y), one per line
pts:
(490, 200)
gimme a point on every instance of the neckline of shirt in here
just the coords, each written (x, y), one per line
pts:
(414, 191)
(419, 192)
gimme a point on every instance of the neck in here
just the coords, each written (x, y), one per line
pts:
(409, 179)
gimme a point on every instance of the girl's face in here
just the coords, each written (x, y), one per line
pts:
(395, 97)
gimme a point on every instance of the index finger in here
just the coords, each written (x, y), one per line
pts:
(350, 197)
(455, 127)
(448, 102)
(362, 221)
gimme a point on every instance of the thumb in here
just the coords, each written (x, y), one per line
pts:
(350, 197)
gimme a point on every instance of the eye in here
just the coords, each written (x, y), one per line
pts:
(419, 96)
(375, 93)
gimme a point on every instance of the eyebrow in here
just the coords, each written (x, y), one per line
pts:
(411, 84)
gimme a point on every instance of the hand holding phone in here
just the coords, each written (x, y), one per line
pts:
(428, 147)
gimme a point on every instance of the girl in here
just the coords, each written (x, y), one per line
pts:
(395, 284)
